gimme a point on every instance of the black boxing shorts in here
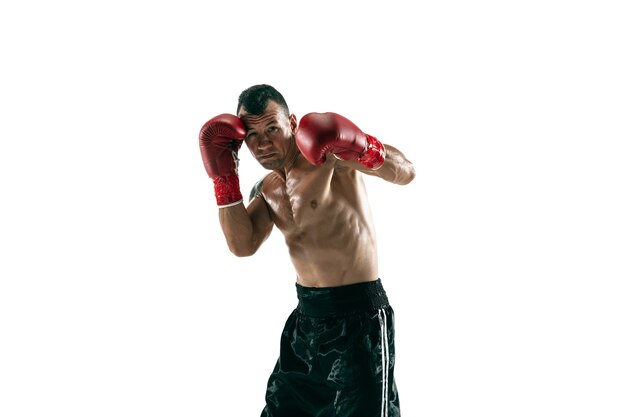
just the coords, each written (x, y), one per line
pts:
(336, 355)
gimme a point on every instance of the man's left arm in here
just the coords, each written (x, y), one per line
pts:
(322, 133)
(396, 168)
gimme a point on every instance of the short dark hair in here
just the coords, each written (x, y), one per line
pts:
(254, 99)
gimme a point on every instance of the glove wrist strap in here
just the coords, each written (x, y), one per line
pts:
(227, 191)
(374, 155)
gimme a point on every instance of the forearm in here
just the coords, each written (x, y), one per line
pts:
(396, 168)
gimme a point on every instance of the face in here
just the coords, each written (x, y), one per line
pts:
(270, 136)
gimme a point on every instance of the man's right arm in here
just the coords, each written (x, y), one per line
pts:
(246, 229)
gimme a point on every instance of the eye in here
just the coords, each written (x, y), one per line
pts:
(272, 129)
(251, 135)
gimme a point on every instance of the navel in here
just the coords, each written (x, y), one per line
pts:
(313, 204)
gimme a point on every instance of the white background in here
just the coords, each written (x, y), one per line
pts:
(504, 259)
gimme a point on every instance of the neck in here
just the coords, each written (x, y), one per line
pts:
(291, 158)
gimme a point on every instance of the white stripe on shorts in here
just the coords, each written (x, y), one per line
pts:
(384, 349)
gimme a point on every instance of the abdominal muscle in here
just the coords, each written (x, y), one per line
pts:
(327, 227)
(332, 266)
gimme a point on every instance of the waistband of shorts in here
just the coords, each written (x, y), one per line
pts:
(346, 299)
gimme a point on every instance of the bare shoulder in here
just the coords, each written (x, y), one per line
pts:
(347, 170)
(266, 185)
(272, 181)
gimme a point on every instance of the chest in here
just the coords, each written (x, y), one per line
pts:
(301, 199)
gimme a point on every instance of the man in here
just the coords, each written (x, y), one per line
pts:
(337, 350)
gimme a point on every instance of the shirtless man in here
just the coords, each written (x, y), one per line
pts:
(337, 350)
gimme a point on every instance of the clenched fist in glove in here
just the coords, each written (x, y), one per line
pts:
(322, 133)
(220, 140)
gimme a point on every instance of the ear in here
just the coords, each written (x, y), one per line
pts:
(293, 121)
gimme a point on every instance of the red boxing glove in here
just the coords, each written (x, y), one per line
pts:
(321, 133)
(220, 139)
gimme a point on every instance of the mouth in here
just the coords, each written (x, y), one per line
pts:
(265, 156)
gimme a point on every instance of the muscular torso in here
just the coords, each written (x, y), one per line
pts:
(324, 215)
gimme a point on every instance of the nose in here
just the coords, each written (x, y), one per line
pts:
(263, 142)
